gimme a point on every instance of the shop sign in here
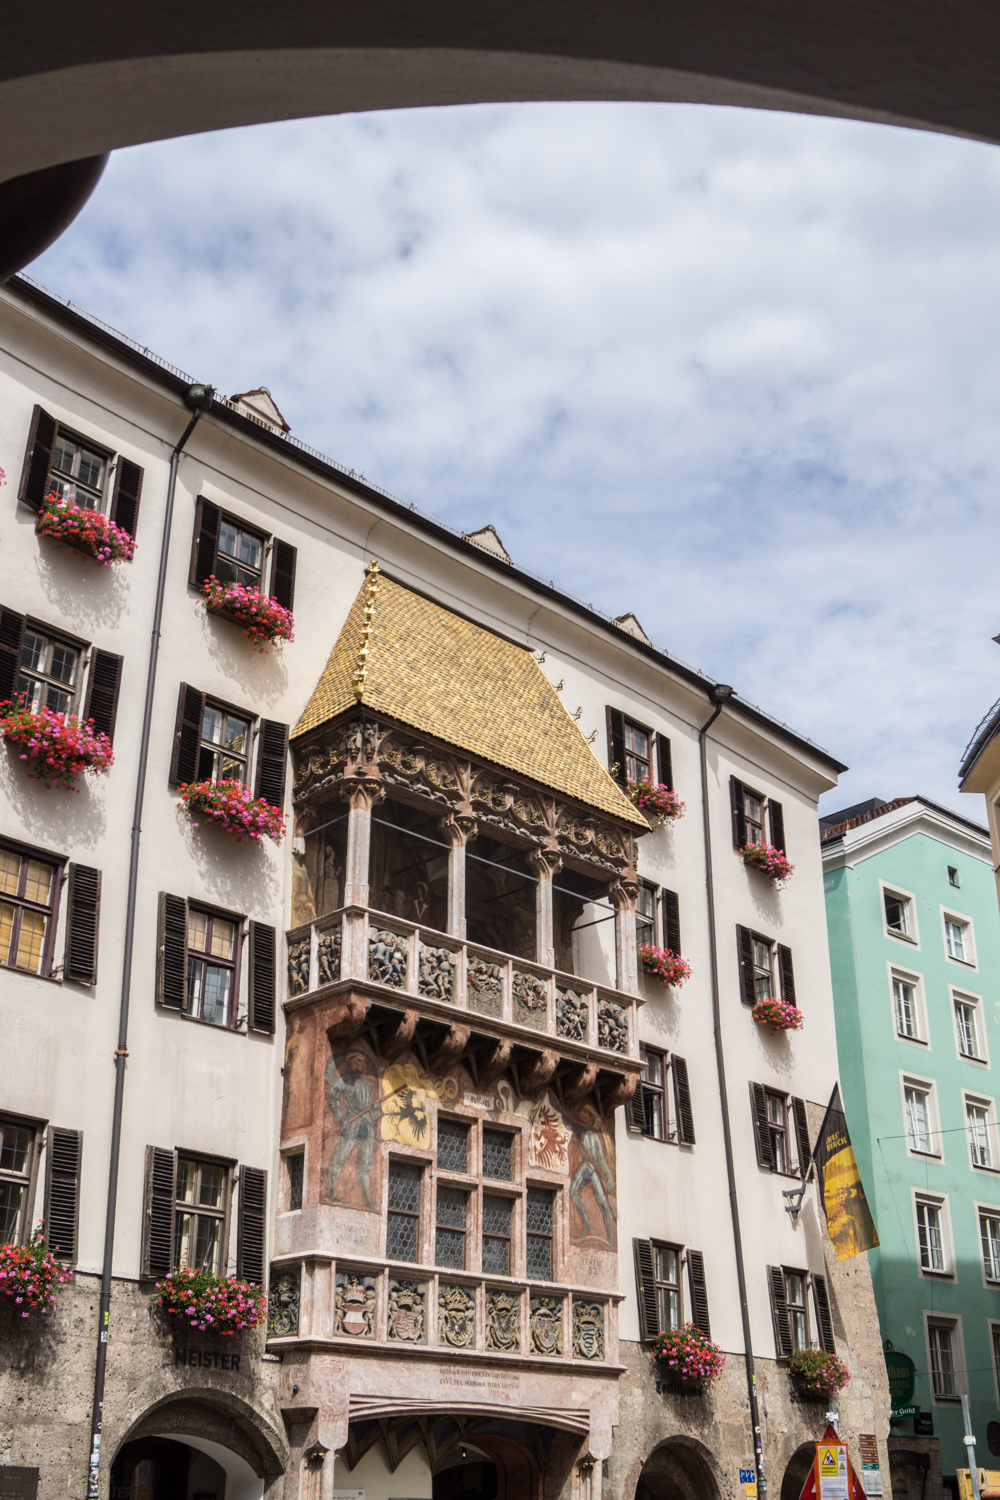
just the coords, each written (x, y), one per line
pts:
(871, 1474)
(201, 1359)
(902, 1373)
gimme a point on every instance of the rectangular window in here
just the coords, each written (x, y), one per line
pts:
(78, 472)
(763, 969)
(977, 1114)
(918, 1118)
(989, 1235)
(28, 890)
(645, 914)
(200, 1215)
(225, 745)
(452, 1217)
(637, 759)
(777, 1125)
(967, 1024)
(930, 1237)
(453, 1146)
(497, 1155)
(17, 1150)
(904, 998)
(404, 1211)
(897, 913)
(940, 1340)
(295, 1166)
(795, 1300)
(212, 956)
(667, 1281)
(49, 674)
(539, 1234)
(496, 1234)
(954, 877)
(995, 1332)
(240, 555)
(753, 813)
(957, 939)
(654, 1110)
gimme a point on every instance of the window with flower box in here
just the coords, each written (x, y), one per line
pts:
(637, 753)
(188, 1210)
(659, 1267)
(216, 741)
(757, 819)
(68, 463)
(766, 969)
(18, 1163)
(796, 1325)
(57, 671)
(228, 548)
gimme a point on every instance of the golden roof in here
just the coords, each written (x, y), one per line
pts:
(418, 663)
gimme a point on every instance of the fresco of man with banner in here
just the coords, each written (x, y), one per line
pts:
(848, 1216)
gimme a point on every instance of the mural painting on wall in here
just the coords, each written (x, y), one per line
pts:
(405, 1103)
(352, 1097)
(592, 1185)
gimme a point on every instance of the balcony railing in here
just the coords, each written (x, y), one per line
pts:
(448, 974)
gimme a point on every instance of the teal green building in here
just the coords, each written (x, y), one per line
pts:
(914, 936)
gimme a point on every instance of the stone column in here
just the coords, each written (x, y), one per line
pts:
(362, 797)
(458, 829)
(623, 895)
(546, 865)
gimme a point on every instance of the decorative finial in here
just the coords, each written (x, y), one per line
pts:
(361, 664)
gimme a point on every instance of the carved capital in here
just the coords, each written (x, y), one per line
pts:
(363, 793)
(546, 863)
(623, 894)
(458, 828)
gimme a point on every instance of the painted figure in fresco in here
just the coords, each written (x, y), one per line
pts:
(351, 1095)
(593, 1169)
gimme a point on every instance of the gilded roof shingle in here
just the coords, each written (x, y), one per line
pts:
(442, 675)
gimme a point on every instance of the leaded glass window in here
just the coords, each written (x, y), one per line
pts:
(404, 1211)
(452, 1217)
(539, 1225)
(497, 1155)
(453, 1146)
(295, 1164)
(496, 1234)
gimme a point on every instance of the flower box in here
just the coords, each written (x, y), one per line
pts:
(86, 531)
(778, 1014)
(55, 747)
(687, 1357)
(772, 862)
(216, 1304)
(817, 1374)
(234, 807)
(262, 619)
(30, 1274)
(669, 968)
(658, 802)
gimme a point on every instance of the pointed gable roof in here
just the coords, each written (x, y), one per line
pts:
(262, 405)
(418, 663)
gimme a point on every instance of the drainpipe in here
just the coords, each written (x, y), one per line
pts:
(720, 695)
(199, 398)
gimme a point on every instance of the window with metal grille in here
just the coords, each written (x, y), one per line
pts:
(989, 1235)
(404, 1211)
(212, 956)
(795, 1301)
(977, 1115)
(496, 1234)
(17, 1150)
(78, 472)
(667, 1283)
(295, 1167)
(453, 1146)
(497, 1155)
(452, 1221)
(49, 674)
(225, 745)
(777, 1125)
(919, 1131)
(200, 1215)
(967, 1023)
(538, 1215)
(637, 758)
(940, 1340)
(904, 998)
(240, 555)
(28, 888)
(653, 1098)
(930, 1237)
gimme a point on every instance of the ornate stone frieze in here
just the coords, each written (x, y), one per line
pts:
(407, 1308)
(503, 1320)
(456, 1315)
(588, 1330)
(546, 1325)
(572, 1013)
(298, 966)
(354, 1305)
(485, 982)
(387, 957)
(612, 1026)
(531, 1002)
(328, 955)
(283, 1301)
(437, 973)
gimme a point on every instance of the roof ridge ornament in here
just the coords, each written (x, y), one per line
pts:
(361, 665)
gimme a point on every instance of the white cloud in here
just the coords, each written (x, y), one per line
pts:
(737, 372)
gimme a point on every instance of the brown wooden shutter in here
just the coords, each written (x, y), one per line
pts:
(263, 977)
(645, 1287)
(272, 760)
(616, 746)
(739, 813)
(744, 939)
(699, 1292)
(37, 459)
(776, 824)
(158, 1214)
(802, 1135)
(635, 1110)
(762, 1131)
(283, 560)
(11, 645)
(824, 1321)
(187, 736)
(682, 1101)
(664, 762)
(171, 952)
(83, 921)
(779, 1312)
(205, 546)
(103, 687)
(672, 921)
(62, 1193)
(250, 1225)
(127, 493)
(787, 974)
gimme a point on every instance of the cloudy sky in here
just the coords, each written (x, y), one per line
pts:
(737, 372)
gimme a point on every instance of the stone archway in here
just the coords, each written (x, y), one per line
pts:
(232, 1437)
(796, 1469)
(679, 1469)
